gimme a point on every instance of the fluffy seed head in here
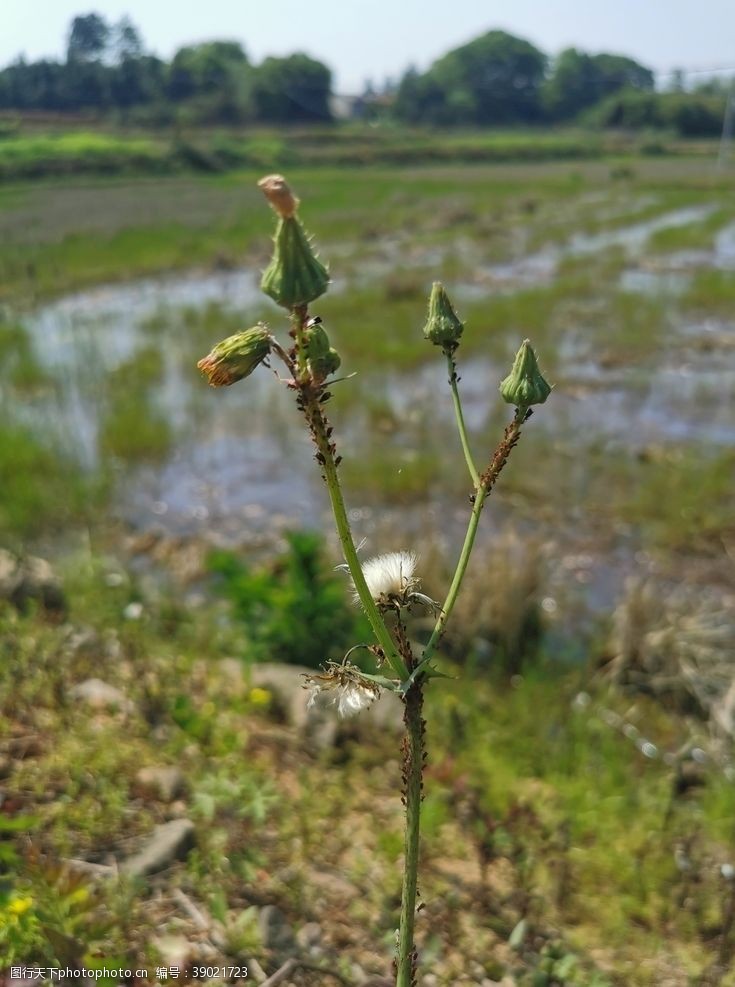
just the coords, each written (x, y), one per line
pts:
(344, 686)
(391, 577)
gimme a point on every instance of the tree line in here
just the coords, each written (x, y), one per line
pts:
(495, 80)
(107, 69)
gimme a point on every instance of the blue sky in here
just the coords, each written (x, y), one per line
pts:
(360, 39)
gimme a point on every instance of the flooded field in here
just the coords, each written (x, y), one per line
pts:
(643, 362)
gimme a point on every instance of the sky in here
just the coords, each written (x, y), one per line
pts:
(375, 39)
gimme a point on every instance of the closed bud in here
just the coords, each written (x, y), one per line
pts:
(323, 359)
(443, 327)
(295, 275)
(236, 357)
(525, 384)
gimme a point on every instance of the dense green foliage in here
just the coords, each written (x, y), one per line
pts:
(495, 79)
(107, 69)
(293, 610)
(579, 80)
(689, 114)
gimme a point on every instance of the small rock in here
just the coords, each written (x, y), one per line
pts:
(333, 884)
(30, 578)
(309, 936)
(276, 932)
(169, 842)
(174, 950)
(101, 695)
(162, 783)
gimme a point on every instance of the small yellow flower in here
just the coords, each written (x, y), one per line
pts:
(259, 697)
(19, 906)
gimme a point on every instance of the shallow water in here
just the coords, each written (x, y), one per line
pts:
(237, 452)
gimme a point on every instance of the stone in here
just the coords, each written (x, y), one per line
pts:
(276, 933)
(163, 783)
(30, 579)
(100, 695)
(309, 936)
(169, 842)
(174, 950)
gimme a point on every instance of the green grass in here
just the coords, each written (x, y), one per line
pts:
(78, 153)
(711, 292)
(43, 490)
(565, 811)
(693, 236)
(30, 153)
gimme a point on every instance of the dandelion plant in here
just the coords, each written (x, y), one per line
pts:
(388, 585)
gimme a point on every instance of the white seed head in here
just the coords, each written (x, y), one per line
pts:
(390, 577)
(342, 686)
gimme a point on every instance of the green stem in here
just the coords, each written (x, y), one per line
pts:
(486, 483)
(350, 553)
(460, 421)
(309, 395)
(413, 772)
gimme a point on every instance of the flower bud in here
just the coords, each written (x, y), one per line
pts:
(295, 276)
(525, 385)
(236, 357)
(443, 327)
(323, 359)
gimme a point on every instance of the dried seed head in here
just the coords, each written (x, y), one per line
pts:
(236, 357)
(525, 384)
(343, 685)
(277, 192)
(443, 327)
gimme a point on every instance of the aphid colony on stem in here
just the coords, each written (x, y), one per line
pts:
(388, 585)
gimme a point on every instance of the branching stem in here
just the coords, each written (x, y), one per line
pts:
(453, 383)
(486, 483)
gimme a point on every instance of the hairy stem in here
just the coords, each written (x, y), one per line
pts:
(311, 397)
(453, 383)
(413, 765)
(486, 483)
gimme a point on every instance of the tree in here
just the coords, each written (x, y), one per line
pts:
(217, 75)
(572, 86)
(616, 72)
(295, 89)
(495, 79)
(419, 99)
(88, 38)
(579, 80)
(127, 42)
(138, 81)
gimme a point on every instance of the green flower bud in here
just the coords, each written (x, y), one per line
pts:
(323, 359)
(443, 327)
(236, 357)
(295, 276)
(525, 385)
